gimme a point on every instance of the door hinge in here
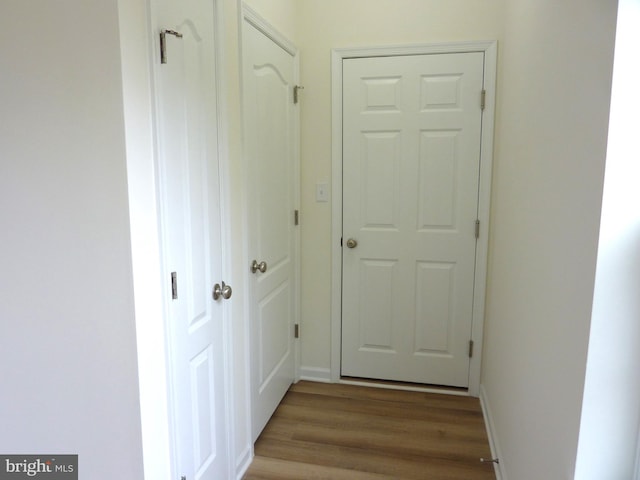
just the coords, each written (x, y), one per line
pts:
(174, 285)
(483, 99)
(477, 229)
(296, 90)
(163, 43)
(470, 348)
(296, 217)
(296, 331)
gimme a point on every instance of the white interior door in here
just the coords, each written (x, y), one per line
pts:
(411, 162)
(269, 111)
(190, 206)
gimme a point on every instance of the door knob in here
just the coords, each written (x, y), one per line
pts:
(255, 266)
(223, 291)
(352, 243)
(226, 291)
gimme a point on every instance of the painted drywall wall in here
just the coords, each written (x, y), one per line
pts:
(335, 24)
(67, 332)
(548, 179)
(611, 405)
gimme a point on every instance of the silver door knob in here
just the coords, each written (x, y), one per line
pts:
(255, 266)
(223, 291)
(352, 243)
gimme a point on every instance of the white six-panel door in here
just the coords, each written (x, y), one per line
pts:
(411, 153)
(190, 206)
(269, 111)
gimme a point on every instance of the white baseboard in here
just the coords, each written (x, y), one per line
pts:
(243, 462)
(491, 433)
(315, 374)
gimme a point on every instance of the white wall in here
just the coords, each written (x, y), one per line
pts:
(548, 176)
(611, 405)
(327, 24)
(67, 332)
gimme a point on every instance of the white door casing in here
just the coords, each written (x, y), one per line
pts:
(415, 243)
(270, 119)
(188, 178)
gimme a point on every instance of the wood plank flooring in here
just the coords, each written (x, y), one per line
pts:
(334, 432)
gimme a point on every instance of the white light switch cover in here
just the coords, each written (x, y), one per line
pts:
(322, 192)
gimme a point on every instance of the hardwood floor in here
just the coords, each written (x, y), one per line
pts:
(335, 432)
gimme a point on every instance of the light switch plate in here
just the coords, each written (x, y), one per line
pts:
(322, 192)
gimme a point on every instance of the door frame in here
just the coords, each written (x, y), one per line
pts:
(250, 16)
(490, 50)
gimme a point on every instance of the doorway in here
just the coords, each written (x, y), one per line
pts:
(445, 341)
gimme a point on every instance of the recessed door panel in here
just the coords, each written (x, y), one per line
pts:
(435, 284)
(380, 169)
(274, 313)
(381, 94)
(376, 305)
(204, 425)
(272, 166)
(438, 178)
(440, 92)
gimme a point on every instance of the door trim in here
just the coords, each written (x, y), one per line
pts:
(489, 49)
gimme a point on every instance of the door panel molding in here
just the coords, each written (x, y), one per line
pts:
(489, 49)
(254, 18)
